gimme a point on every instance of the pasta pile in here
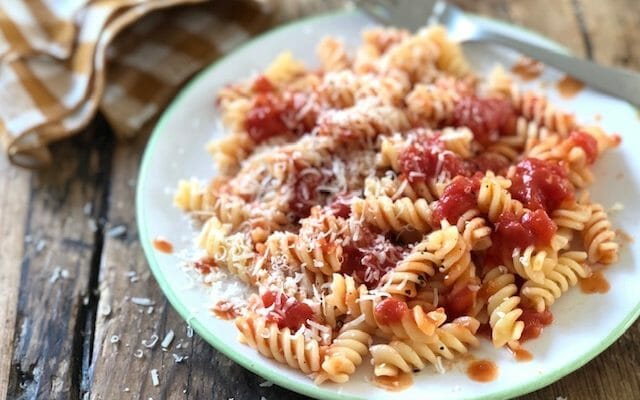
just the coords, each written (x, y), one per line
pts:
(393, 196)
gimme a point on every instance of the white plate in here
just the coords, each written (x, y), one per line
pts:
(584, 324)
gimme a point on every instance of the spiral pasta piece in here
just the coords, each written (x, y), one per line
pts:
(570, 267)
(344, 355)
(416, 325)
(536, 107)
(457, 140)
(474, 230)
(572, 216)
(494, 198)
(230, 150)
(449, 245)
(411, 272)
(332, 54)
(502, 306)
(599, 238)
(431, 104)
(363, 121)
(344, 298)
(409, 356)
(396, 216)
(190, 195)
(212, 238)
(280, 344)
(311, 256)
(532, 263)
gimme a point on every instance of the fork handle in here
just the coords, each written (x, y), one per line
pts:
(617, 82)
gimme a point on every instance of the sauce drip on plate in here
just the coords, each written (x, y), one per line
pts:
(527, 68)
(163, 245)
(482, 370)
(596, 283)
(522, 355)
(569, 87)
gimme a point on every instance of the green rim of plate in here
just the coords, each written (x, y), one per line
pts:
(310, 389)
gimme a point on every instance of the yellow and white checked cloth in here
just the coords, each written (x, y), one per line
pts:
(62, 60)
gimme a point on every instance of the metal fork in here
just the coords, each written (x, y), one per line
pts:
(413, 14)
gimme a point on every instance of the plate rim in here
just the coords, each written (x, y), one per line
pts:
(310, 389)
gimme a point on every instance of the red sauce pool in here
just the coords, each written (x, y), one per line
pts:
(534, 323)
(163, 245)
(569, 87)
(488, 118)
(394, 383)
(596, 283)
(457, 198)
(390, 310)
(482, 370)
(540, 184)
(527, 68)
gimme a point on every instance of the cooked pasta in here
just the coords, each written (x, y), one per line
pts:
(392, 202)
(344, 356)
(569, 268)
(407, 356)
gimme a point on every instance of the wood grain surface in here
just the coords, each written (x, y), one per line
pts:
(71, 261)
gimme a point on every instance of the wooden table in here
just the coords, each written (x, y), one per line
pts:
(70, 258)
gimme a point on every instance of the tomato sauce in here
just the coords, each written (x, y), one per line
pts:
(341, 205)
(262, 84)
(205, 265)
(588, 144)
(596, 283)
(457, 198)
(369, 257)
(522, 355)
(163, 245)
(488, 161)
(487, 118)
(287, 312)
(540, 184)
(534, 323)
(390, 311)
(533, 228)
(482, 370)
(426, 158)
(460, 302)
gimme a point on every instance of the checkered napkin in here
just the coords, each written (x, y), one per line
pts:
(63, 60)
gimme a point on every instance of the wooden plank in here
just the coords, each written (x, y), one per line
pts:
(614, 31)
(115, 371)
(55, 270)
(14, 206)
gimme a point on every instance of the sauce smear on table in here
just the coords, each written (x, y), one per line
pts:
(163, 245)
(596, 283)
(482, 370)
(527, 68)
(569, 87)
(394, 383)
